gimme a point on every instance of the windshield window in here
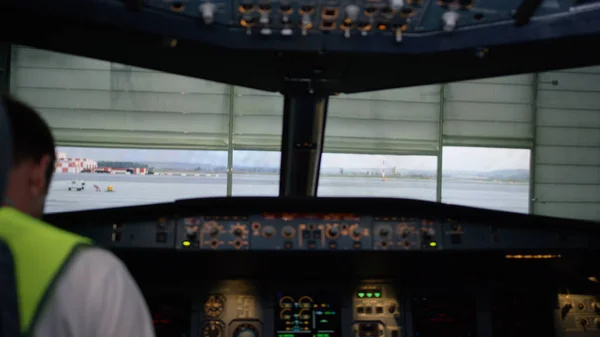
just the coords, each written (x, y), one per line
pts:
(89, 178)
(524, 143)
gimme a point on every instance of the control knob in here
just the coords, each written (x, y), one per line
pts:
(333, 232)
(214, 231)
(238, 232)
(429, 233)
(596, 307)
(190, 232)
(288, 231)
(268, 231)
(356, 233)
(405, 233)
(384, 232)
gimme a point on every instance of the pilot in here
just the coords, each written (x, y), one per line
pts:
(65, 285)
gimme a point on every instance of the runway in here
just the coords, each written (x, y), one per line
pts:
(139, 190)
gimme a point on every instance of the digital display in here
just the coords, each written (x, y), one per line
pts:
(442, 316)
(310, 315)
(170, 319)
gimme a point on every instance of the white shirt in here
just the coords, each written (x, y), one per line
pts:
(95, 296)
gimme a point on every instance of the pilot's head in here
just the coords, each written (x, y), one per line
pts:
(33, 159)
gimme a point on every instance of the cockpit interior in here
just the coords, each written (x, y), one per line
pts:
(302, 265)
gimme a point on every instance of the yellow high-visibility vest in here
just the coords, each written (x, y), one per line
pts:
(39, 251)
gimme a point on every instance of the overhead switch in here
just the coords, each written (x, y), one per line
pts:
(352, 12)
(208, 10)
(396, 4)
(450, 19)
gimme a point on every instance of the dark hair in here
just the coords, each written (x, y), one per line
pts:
(31, 135)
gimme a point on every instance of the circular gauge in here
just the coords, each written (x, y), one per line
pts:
(305, 302)
(246, 330)
(214, 306)
(213, 329)
(286, 302)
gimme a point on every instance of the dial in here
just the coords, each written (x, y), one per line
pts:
(356, 233)
(268, 231)
(213, 329)
(333, 232)
(214, 306)
(246, 330)
(288, 232)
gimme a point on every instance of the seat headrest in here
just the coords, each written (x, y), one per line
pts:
(5, 149)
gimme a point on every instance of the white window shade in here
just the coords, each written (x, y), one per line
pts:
(567, 156)
(257, 120)
(385, 122)
(494, 112)
(400, 121)
(95, 103)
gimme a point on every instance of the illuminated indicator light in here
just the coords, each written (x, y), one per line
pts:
(327, 312)
(369, 294)
(361, 295)
(432, 244)
(377, 294)
(186, 243)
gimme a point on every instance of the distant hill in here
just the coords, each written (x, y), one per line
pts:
(500, 175)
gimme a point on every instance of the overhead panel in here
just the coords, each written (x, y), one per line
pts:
(89, 102)
(492, 112)
(567, 156)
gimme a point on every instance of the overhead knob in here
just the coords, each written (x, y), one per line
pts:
(450, 19)
(214, 231)
(396, 4)
(238, 232)
(208, 10)
(352, 12)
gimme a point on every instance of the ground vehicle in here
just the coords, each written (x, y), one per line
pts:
(77, 185)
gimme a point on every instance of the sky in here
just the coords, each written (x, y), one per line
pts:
(454, 158)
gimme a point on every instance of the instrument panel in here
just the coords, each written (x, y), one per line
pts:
(331, 232)
(354, 18)
(378, 308)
